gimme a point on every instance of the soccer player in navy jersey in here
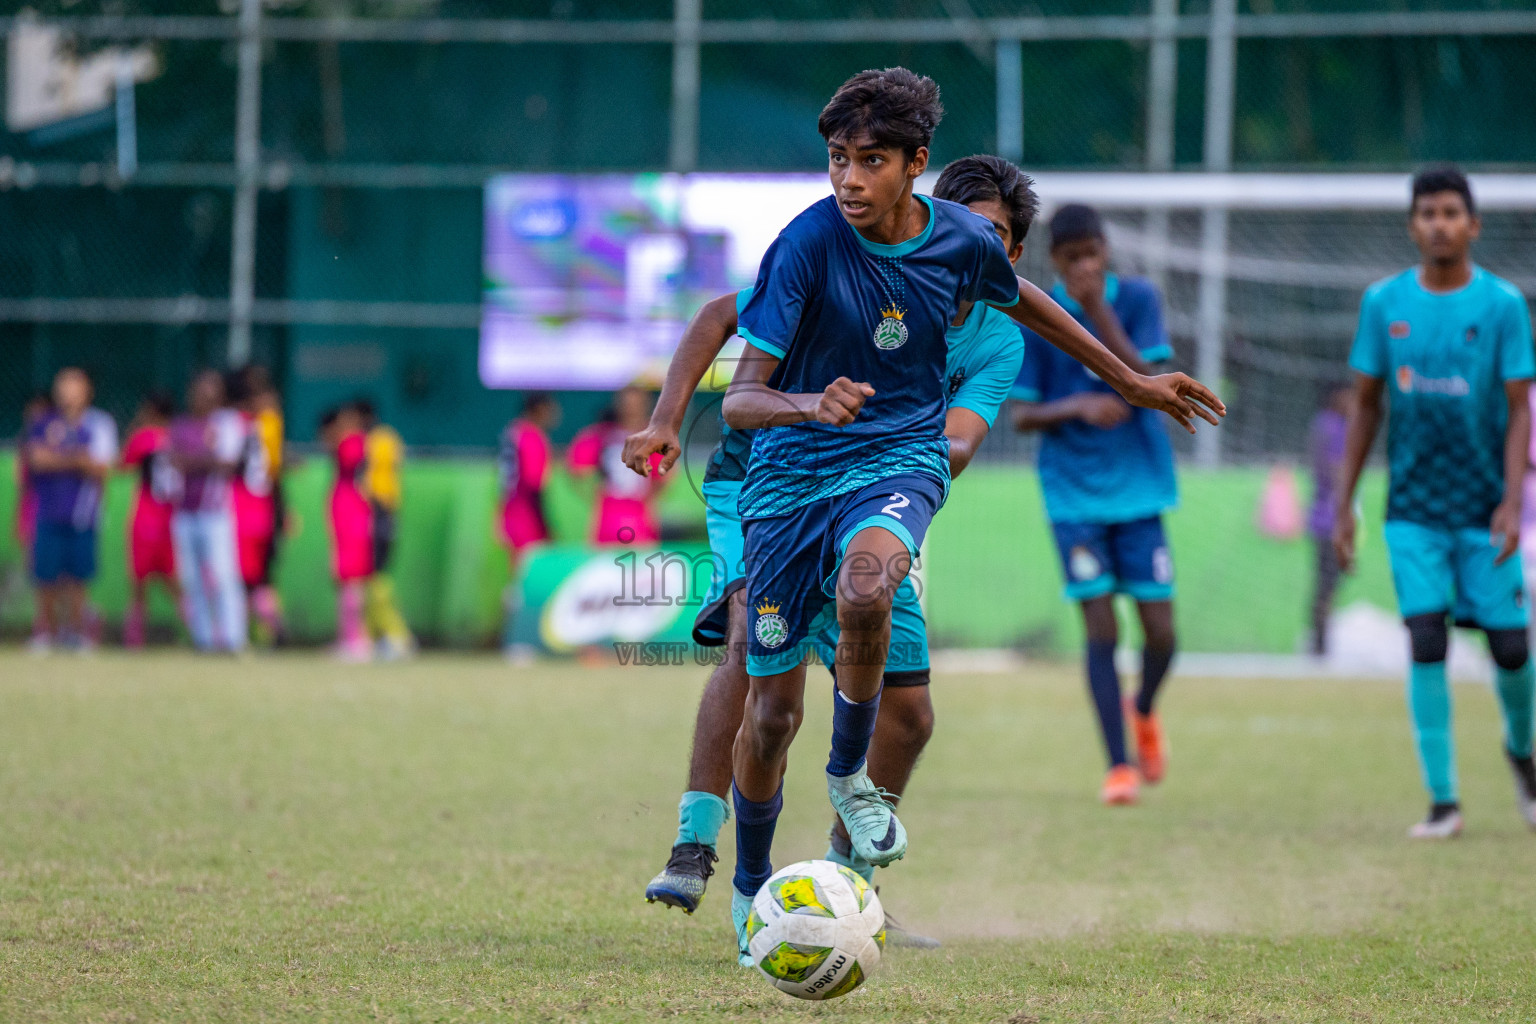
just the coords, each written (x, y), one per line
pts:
(843, 379)
(1453, 344)
(1106, 471)
(985, 350)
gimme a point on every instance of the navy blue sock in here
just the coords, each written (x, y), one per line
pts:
(1104, 685)
(1154, 669)
(754, 839)
(852, 726)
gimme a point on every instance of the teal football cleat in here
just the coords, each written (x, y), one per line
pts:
(869, 815)
(840, 851)
(741, 914)
(681, 883)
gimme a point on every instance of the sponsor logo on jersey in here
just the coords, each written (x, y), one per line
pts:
(1410, 382)
(1398, 329)
(1471, 334)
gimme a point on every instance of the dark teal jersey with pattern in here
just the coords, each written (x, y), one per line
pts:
(1445, 358)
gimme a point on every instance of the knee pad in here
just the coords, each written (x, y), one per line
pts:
(1509, 647)
(1429, 637)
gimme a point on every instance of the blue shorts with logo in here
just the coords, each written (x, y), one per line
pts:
(906, 660)
(1116, 558)
(1445, 570)
(793, 562)
(63, 551)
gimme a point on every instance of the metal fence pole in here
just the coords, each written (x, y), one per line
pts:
(242, 250)
(1162, 101)
(1010, 99)
(684, 150)
(1220, 86)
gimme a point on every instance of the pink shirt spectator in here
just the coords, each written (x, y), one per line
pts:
(624, 514)
(524, 467)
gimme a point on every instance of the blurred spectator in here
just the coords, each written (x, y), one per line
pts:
(523, 469)
(33, 410)
(151, 553)
(625, 512)
(205, 446)
(69, 452)
(385, 453)
(255, 494)
(351, 530)
(1326, 447)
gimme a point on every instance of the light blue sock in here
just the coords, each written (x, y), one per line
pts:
(1517, 694)
(1429, 707)
(852, 862)
(700, 816)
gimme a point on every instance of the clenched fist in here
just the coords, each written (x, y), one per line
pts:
(841, 401)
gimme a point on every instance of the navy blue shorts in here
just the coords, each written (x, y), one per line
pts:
(63, 551)
(793, 561)
(1116, 558)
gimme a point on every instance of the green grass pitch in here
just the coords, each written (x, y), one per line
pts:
(456, 840)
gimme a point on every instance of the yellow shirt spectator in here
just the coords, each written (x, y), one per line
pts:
(386, 451)
(269, 431)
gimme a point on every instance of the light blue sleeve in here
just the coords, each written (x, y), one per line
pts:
(1031, 383)
(742, 298)
(983, 391)
(1517, 360)
(1369, 354)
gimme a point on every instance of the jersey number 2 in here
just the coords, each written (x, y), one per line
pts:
(898, 500)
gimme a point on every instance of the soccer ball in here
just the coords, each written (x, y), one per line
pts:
(816, 930)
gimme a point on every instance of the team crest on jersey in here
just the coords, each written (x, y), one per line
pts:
(891, 332)
(1398, 329)
(772, 629)
(956, 379)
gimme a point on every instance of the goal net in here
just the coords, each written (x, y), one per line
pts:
(1262, 276)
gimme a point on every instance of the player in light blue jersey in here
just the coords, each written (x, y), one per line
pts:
(843, 379)
(1452, 344)
(1106, 470)
(984, 353)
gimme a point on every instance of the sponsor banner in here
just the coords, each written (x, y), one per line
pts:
(579, 596)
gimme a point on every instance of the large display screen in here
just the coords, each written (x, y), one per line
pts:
(589, 279)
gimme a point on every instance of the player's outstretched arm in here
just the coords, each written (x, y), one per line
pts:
(702, 340)
(1364, 420)
(1095, 408)
(1177, 394)
(750, 403)
(1504, 527)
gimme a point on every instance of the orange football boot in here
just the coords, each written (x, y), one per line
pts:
(1151, 744)
(1122, 786)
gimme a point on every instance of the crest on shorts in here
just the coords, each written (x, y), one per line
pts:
(772, 629)
(1082, 564)
(891, 332)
